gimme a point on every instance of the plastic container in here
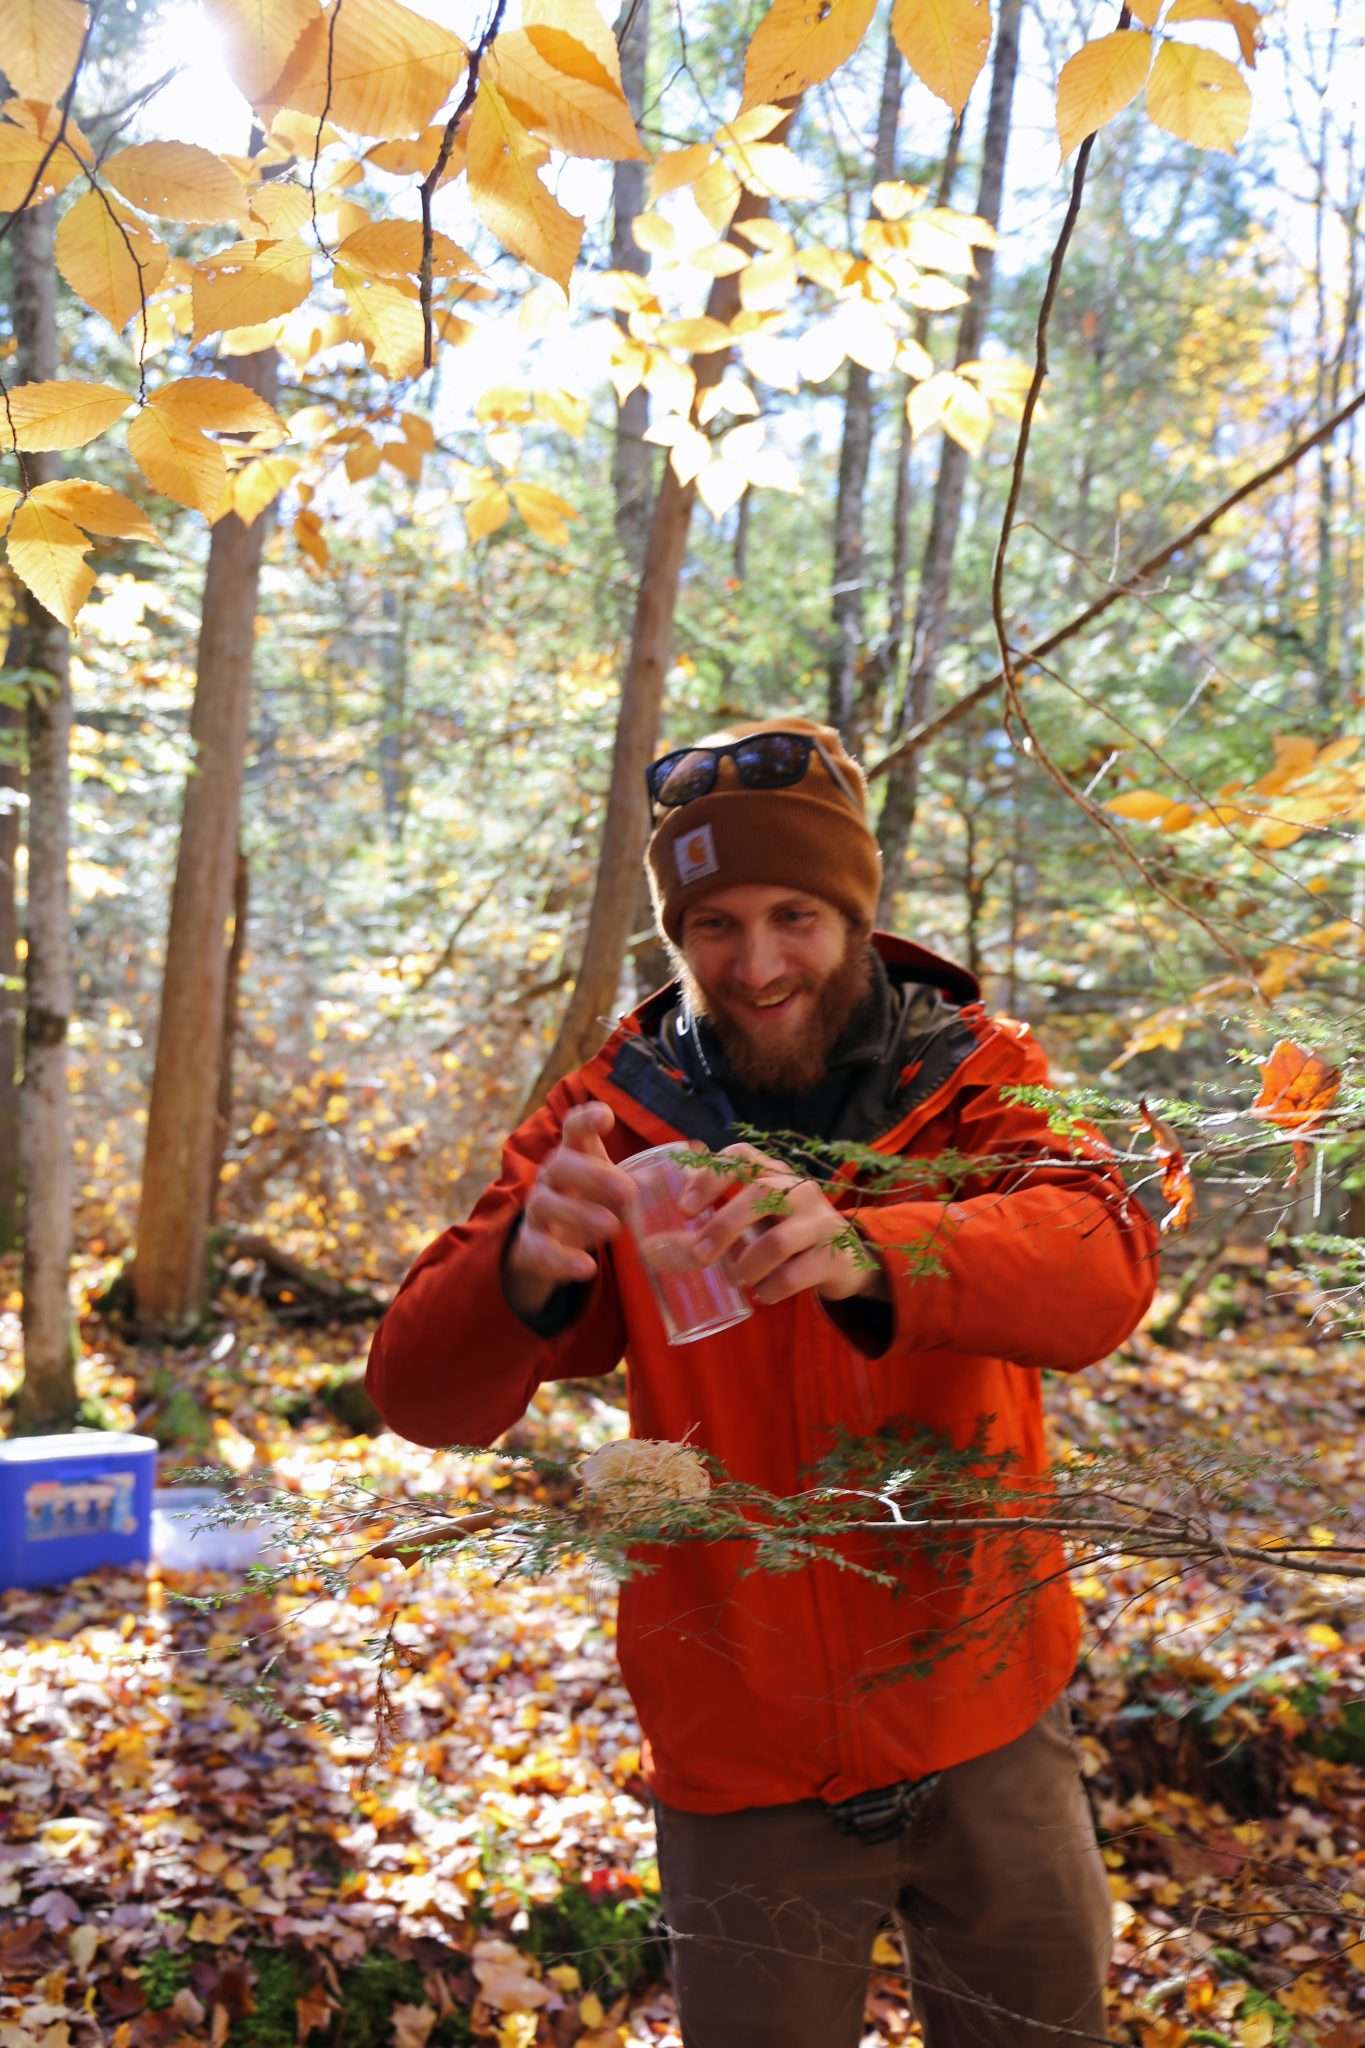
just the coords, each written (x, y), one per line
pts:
(696, 1301)
(74, 1502)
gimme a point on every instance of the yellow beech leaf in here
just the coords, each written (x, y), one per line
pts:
(677, 167)
(717, 192)
(217, 405)
(799, 43)
(109, 257)
(1258, 2031)
(553, 23)
(385, 321)
(486, 512)
(402, 456)
(417, 154)
(47, 124)
(308, 534)
(178, 181)
(1198, 97)
(944, 42)
(1098, 82)
(9, 498)
(966, 416)
(64, 413)
(1176, 817)
(1141, 804)
(249, 283)
(385, 74)
(1241, 18)
(179, 462)
(700, 336)
(509, 198)
(280, 210)
(20, 155)
(422, 434)
(545, 513)
(587, 116)
(257, 484)
(362, 459)
(48, 554)
(257, 37)
(97, 508)
(393, 248)
(40, 41)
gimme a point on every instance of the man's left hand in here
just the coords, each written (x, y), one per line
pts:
(800, 1245)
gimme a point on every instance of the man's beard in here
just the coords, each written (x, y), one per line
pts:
(799, 1061)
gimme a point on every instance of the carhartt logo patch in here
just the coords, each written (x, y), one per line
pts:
(695, 854)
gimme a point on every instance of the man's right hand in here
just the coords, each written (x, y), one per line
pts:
(576, 1204)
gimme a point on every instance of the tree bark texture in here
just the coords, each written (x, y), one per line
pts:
(616, 891)
(855, 453)
(931, 605)
(631, 476)
(11, 992)
(241, 898)
(47, 1398)
(168, 1269)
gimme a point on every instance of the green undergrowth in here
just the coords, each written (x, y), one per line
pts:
(613, 1941)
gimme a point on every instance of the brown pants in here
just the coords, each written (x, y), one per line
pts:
(998, 1888)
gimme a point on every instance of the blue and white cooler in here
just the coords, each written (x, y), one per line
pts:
(71, 1503)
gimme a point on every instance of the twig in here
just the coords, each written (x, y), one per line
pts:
(437, 171)
(954, 713)
(66, 102)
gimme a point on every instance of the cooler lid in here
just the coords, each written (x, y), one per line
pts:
(78, 1443)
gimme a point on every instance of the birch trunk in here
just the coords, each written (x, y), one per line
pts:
(11, 989)
(855, 454)
(630, 466)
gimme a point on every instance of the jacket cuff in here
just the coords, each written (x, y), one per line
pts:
(564, 1307)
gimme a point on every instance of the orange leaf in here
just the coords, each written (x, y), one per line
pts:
(1176, 1185)
(1297, 1088)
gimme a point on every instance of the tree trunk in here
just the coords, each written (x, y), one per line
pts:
(11, 1002)
(855, 453)
(630, 463)
(881, 676)
(393, 669)
(168, 1270)
(241, 897)
(931, 607)
(47, 1398)
(611, 918)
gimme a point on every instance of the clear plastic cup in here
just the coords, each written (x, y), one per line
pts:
(693, 1301)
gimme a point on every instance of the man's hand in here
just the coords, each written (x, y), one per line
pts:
(575, 1206)
(803, 1245)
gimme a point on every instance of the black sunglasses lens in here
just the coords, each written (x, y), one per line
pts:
(772, 760)
(681, 778)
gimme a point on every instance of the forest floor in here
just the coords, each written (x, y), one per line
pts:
(188, 1853)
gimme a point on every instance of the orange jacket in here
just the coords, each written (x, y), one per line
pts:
(753, 1689)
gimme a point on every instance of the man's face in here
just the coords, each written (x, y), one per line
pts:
(778, 973)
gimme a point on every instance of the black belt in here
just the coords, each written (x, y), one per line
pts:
(878, 1816)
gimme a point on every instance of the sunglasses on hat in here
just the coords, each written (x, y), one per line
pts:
(766, 760)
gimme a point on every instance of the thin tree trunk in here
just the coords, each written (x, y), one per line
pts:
(168, 1270)
(855, 454)
(241, 898)
(11, 1003)
(611, 918)
(47, 1398)
(393, 669)
(630, 464)
(931, 609)
(881, 676)
(740, 558)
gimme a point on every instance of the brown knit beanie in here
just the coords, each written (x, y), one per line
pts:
(807, 836)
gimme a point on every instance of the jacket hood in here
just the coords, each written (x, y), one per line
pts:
(646, 1073)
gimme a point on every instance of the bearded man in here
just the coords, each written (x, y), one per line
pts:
(826, 1752)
